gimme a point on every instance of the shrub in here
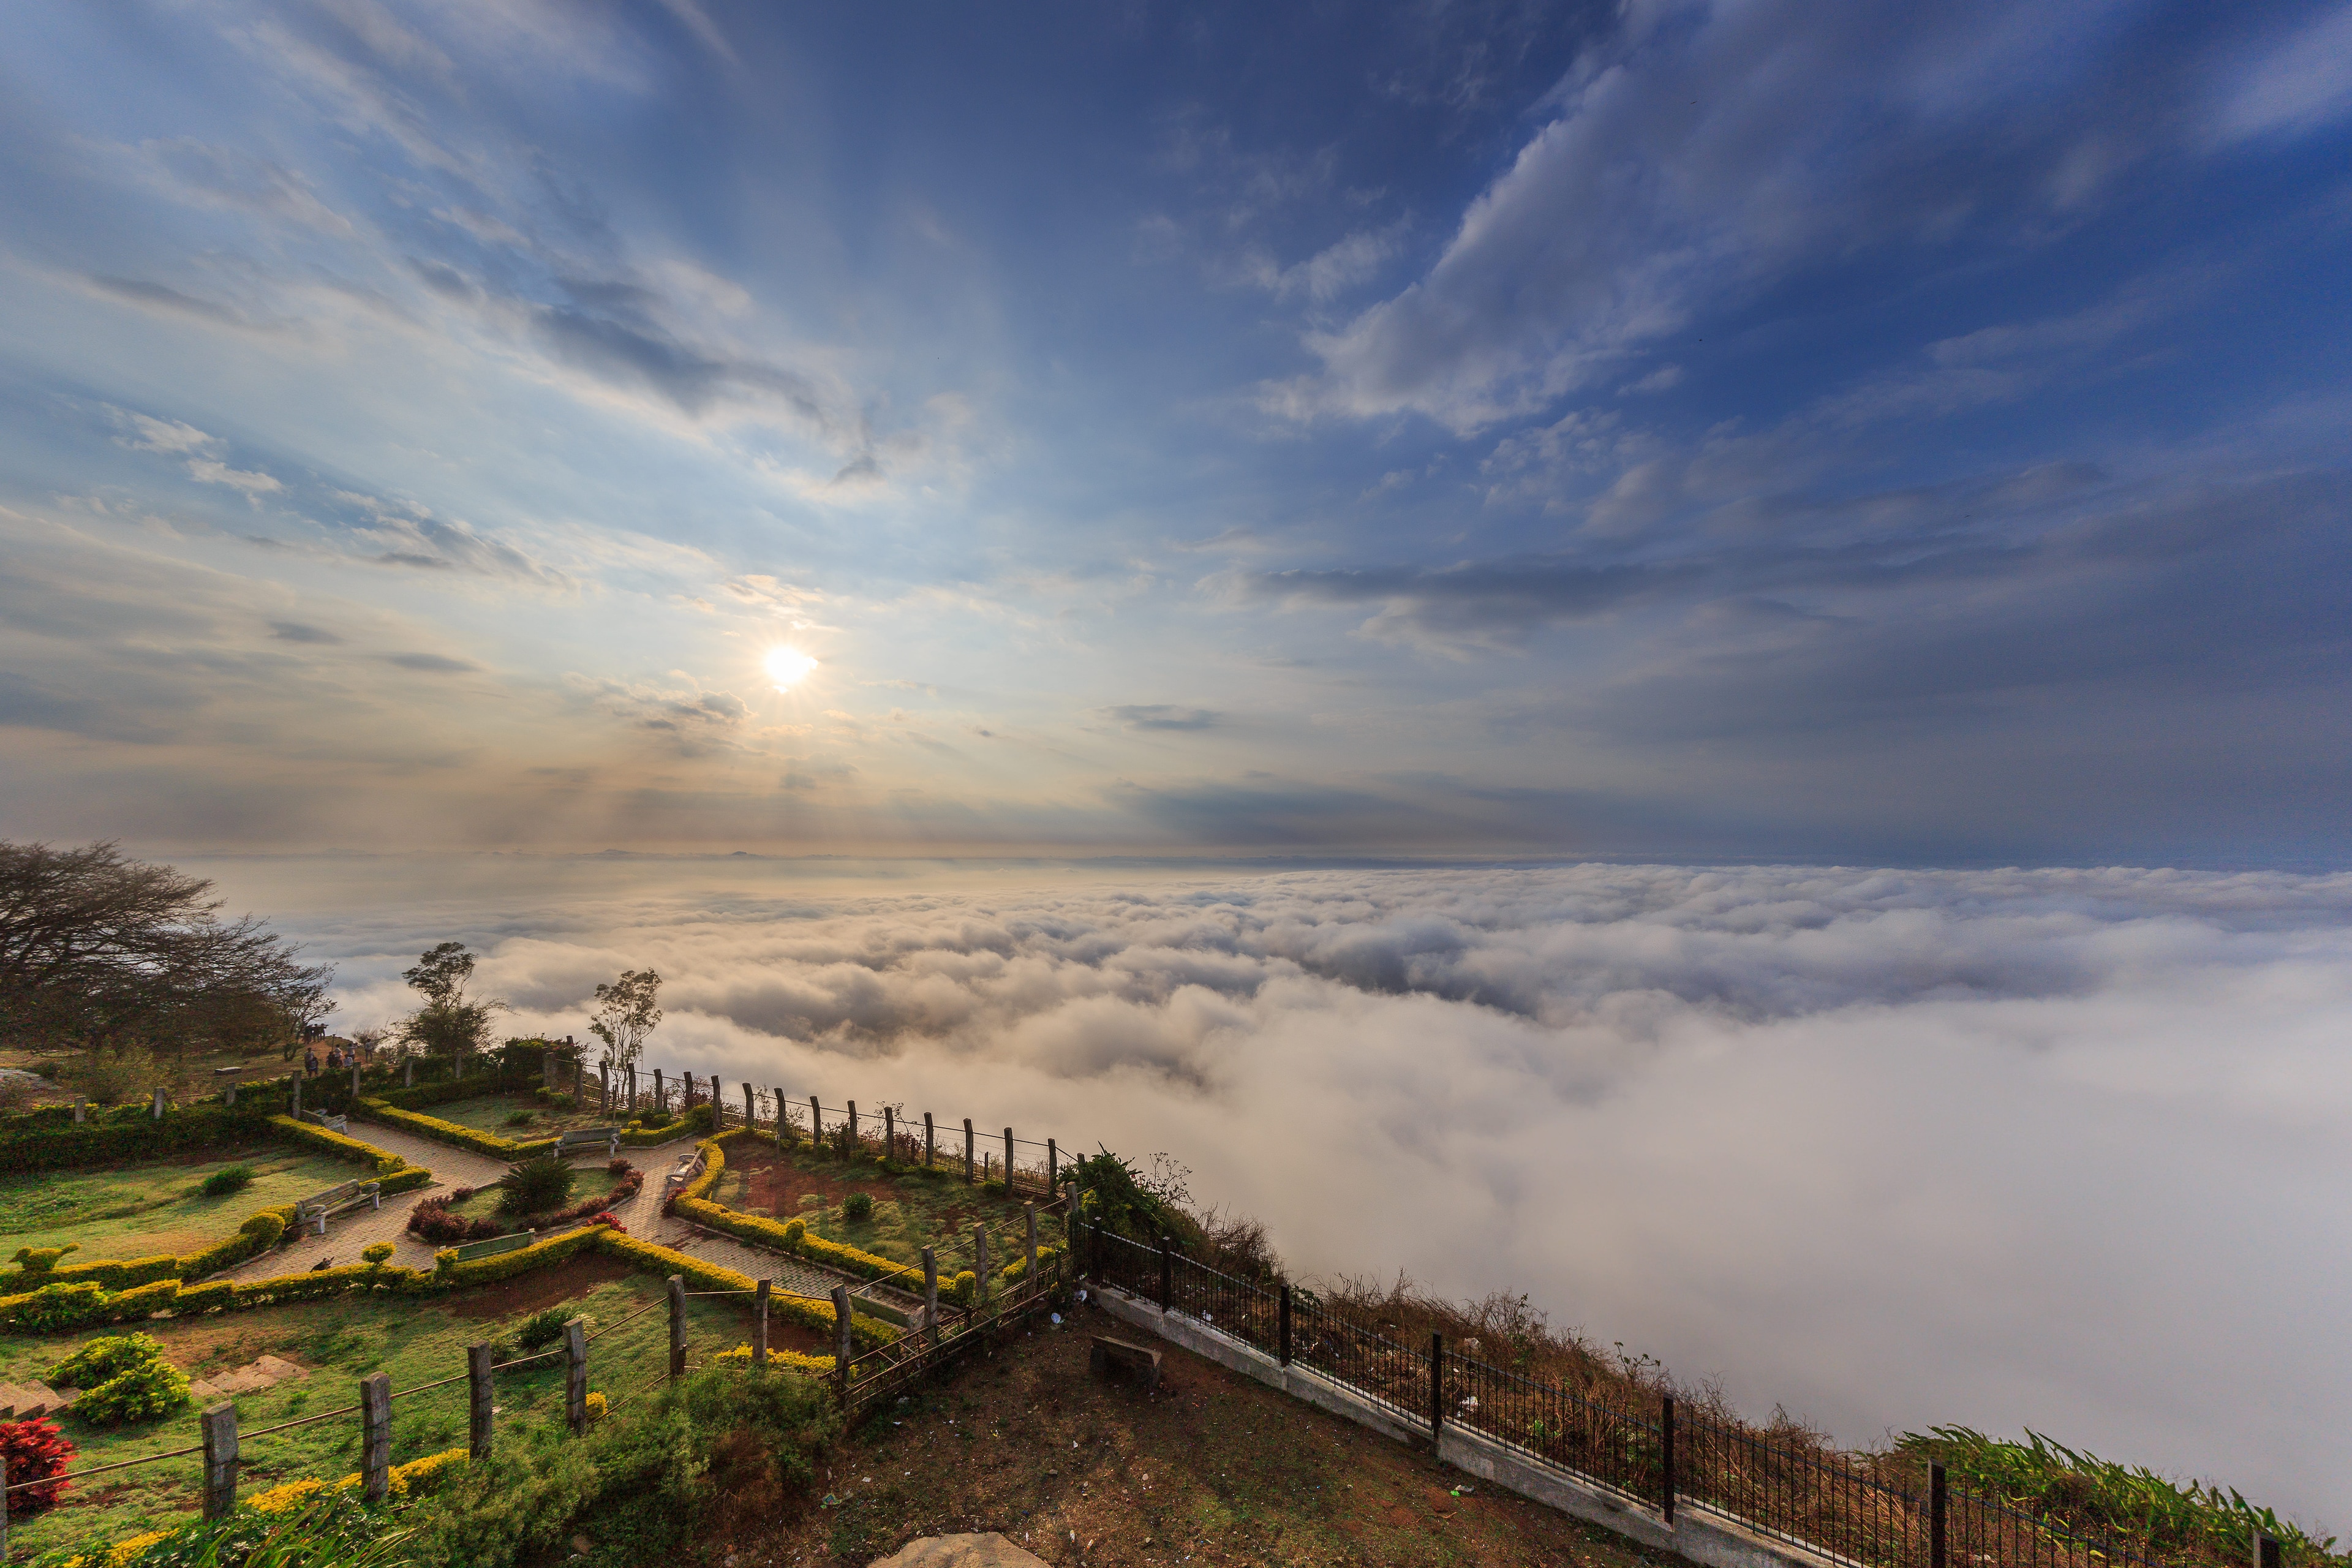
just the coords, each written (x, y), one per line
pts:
(597, 1405)
(535, 1186)
(858, 1207)
(41, 1260)
(619, 1166)
(793, 1233)
(234, 1179)
(543, 1328)
(703, 1117)
(36, 1451)
(150, 1390)
(103, 1360)
(110, 1077)
(377, 1254)
(55, 1307)
(519, 1119)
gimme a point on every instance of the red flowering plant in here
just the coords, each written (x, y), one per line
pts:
(36, 1451)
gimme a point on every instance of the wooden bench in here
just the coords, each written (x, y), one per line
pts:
(332, 1123)
(314, 1210)
(570, 1143)
(496, 1245)
(1121, 1358)
(688, 1168)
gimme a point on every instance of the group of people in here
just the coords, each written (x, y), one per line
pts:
(337, 1057)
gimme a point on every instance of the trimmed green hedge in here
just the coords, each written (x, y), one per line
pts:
(451, 1132)
(448, 1089)
(86, 1304)
(791, 1237)
(126, 1132)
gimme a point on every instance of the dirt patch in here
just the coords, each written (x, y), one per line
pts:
(777, 1186)
(1213, 1467)
(540, 1288)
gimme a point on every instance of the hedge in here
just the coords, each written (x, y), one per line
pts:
(257, 1236)
(791, 1361)
(86, 1304)
(451, 1132)
(348, 1147)
(791, 1236)
(49, 1145)
(448, 1089)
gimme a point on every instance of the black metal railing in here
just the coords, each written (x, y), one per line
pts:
(1641, 1446)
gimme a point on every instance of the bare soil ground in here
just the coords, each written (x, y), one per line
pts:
(1211, 1467)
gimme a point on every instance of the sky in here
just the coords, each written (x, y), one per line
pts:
(1821, 432)
(2057, 1149)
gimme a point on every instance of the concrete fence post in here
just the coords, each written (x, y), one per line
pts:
(850, 1132)
(750, 1110)
(816, 1123)
(81, 1109)
(220, 1459)
(1030, 1275)
(841, 1316)
(889, 1133)
(1008, 1162)
(661, 1094)
(783, 1123)
(930, 1140)
(2266, 1550)
(966, 1149)
(297, 1112)
(576, 1375)
(760, 1326)
(375, 1436)
(1052, 1170)
(930, 1296)
(677, 1327)
(979, 1264)
(229, 1098)
(408, 1072)
(480, 1398)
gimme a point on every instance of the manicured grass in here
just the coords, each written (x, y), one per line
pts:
(489, 1113)
(910, 1212)
(156, 1206)
(416, 1340)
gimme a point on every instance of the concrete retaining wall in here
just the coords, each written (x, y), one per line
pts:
(1697, 1533)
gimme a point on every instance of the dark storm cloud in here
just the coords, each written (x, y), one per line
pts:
(432, 663)
(297, 631)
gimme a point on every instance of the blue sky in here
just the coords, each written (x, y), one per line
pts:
(1817, 431)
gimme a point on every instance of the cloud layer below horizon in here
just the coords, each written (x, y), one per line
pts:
(2048, 1148)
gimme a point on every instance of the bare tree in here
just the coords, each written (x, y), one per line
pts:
(100, 950)
(625, 1014)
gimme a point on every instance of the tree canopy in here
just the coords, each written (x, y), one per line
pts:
(101, 950)
(626, 1015)
(451, 1022)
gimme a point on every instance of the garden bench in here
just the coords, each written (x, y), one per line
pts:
(315, 1210)
(1112, 1357)
(332, 1123)
(496, 1245)
(579, 1138)
(688, 1167)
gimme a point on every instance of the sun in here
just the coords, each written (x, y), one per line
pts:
(788, 667)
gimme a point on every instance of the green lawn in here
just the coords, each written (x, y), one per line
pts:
(910, 1212)
(135, 1211)
(418, 1339)
(489, 1112)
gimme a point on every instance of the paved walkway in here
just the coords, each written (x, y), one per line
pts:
(348, 1233)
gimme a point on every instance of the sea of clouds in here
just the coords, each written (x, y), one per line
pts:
(2059, 1149)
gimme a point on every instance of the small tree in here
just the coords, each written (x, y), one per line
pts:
(626, 1015)
(451, 1022)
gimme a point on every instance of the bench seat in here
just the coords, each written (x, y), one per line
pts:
(578, 1138)
(316, 1209)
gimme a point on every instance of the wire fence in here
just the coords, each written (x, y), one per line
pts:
(1640, 1447)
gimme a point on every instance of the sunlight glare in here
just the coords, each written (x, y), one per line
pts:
(787, 667)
